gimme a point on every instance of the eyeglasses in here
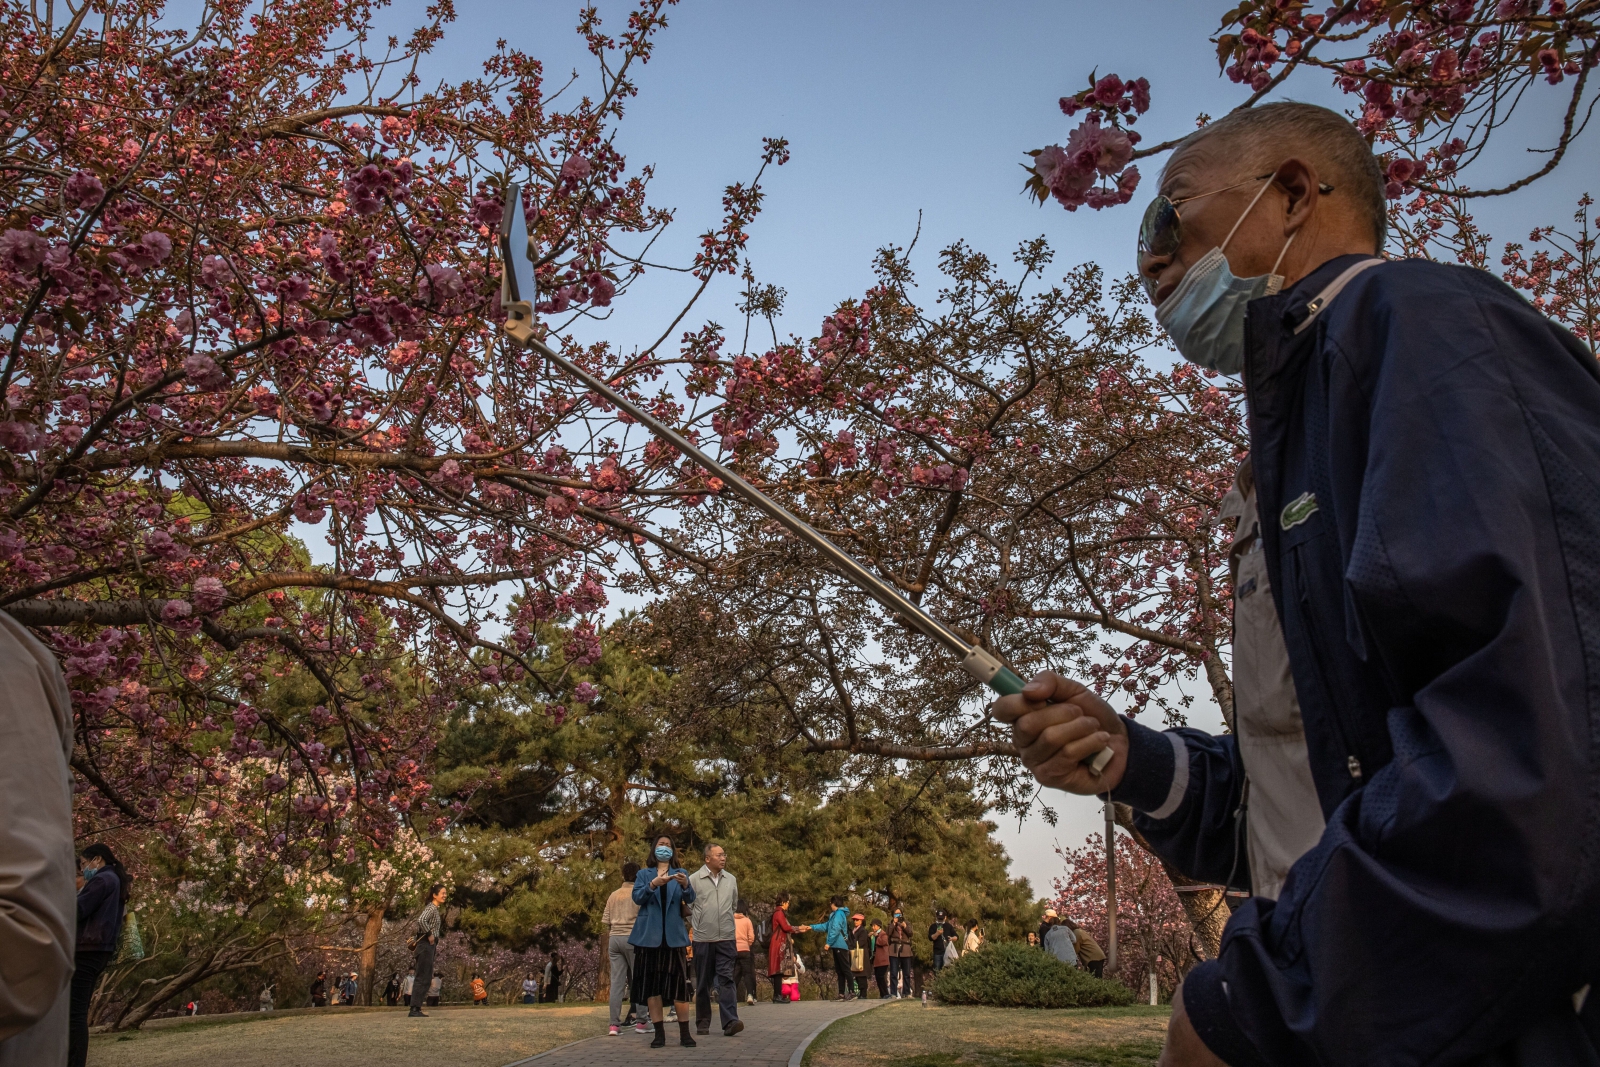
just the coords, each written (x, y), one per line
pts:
(1161, 231)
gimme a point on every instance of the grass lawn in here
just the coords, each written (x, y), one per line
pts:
(341, 1037)
(908, 1035)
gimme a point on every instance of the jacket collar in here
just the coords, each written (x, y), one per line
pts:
(1270, 323)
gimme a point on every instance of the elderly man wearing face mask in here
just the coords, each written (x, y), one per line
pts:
(1417, 645)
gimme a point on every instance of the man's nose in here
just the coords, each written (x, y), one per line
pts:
(1151, 265)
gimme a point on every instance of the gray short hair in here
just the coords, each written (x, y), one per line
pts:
(1262, 137)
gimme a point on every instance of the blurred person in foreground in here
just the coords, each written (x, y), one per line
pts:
(1424, 449)
(37, 925)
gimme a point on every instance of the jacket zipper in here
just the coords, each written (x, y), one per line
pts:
(1352, 763)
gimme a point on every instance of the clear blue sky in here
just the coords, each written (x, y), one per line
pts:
(894, 108)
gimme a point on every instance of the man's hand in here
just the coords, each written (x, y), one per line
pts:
(1056, 724)
(1184, 1047)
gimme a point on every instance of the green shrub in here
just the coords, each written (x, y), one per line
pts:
(1011, 975)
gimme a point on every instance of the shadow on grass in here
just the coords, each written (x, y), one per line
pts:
(1137, 1053)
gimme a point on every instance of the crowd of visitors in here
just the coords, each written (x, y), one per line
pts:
(674, 938)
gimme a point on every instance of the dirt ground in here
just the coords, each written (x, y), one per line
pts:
(459, 1037)
(908, 1035)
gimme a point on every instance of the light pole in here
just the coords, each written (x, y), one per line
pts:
(1111, 888)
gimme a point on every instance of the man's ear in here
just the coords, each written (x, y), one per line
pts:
(1299, 180)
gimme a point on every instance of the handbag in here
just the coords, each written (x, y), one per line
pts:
(858, 959)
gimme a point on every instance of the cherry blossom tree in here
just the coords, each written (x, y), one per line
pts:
(1007, 460)
(1429, 81)
(1153, 931)
(249, 300)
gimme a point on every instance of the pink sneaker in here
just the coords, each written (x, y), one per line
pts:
(641, 1027)
(613, 1031)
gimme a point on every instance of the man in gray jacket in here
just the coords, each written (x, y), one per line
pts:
(716, 951)
(38, 909)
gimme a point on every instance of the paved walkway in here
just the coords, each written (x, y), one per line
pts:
(772, 1034)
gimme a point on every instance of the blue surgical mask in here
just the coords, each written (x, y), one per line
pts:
(663, 852)
(89, 871)
(1204, 316)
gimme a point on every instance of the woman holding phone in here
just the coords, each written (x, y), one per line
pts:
(660, 967)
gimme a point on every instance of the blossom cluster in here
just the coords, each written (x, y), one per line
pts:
(1093, 168)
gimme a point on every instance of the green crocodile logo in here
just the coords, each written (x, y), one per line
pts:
(1297, 511)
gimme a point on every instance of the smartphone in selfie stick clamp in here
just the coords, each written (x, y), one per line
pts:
(518, 290)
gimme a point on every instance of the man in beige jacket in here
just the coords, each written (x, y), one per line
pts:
(38, 910)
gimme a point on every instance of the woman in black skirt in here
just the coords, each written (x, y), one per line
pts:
(660, 968)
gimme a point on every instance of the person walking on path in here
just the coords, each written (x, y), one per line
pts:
(407, 984)
(780, 948)
(618, 919)
(660, 969)
(974, 937)
(860, 954)
(427, 943)
(391, 991)
(552, 979)
(1090, 954)
(744, 940)
(351, 988)
(530, 989)
(901, 956)
(435, 991)
(101, 903)
(480, 992)
(837, 927)
(319, 990)
(943, 933)
(716, 954)
(880, 958)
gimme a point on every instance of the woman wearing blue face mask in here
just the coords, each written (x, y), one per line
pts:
(101, 902)
(660, 967)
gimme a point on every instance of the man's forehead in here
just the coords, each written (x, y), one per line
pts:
(1196, 163)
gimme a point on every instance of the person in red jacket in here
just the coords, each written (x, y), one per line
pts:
(778, 947)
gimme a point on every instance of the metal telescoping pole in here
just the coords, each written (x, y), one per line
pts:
(518, 289)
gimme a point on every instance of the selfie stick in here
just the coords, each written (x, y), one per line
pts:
(517, 293)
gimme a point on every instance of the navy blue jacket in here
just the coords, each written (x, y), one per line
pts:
(100, 912)
(647, 925)
(1427, 463)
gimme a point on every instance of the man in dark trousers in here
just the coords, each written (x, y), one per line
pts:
(1426, 462)
(942, 932)
(427, 935)
(716, 954)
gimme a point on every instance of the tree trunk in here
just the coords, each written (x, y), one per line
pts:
(1205, 906)
(602, 979)
(369, 952)
(199, 969)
